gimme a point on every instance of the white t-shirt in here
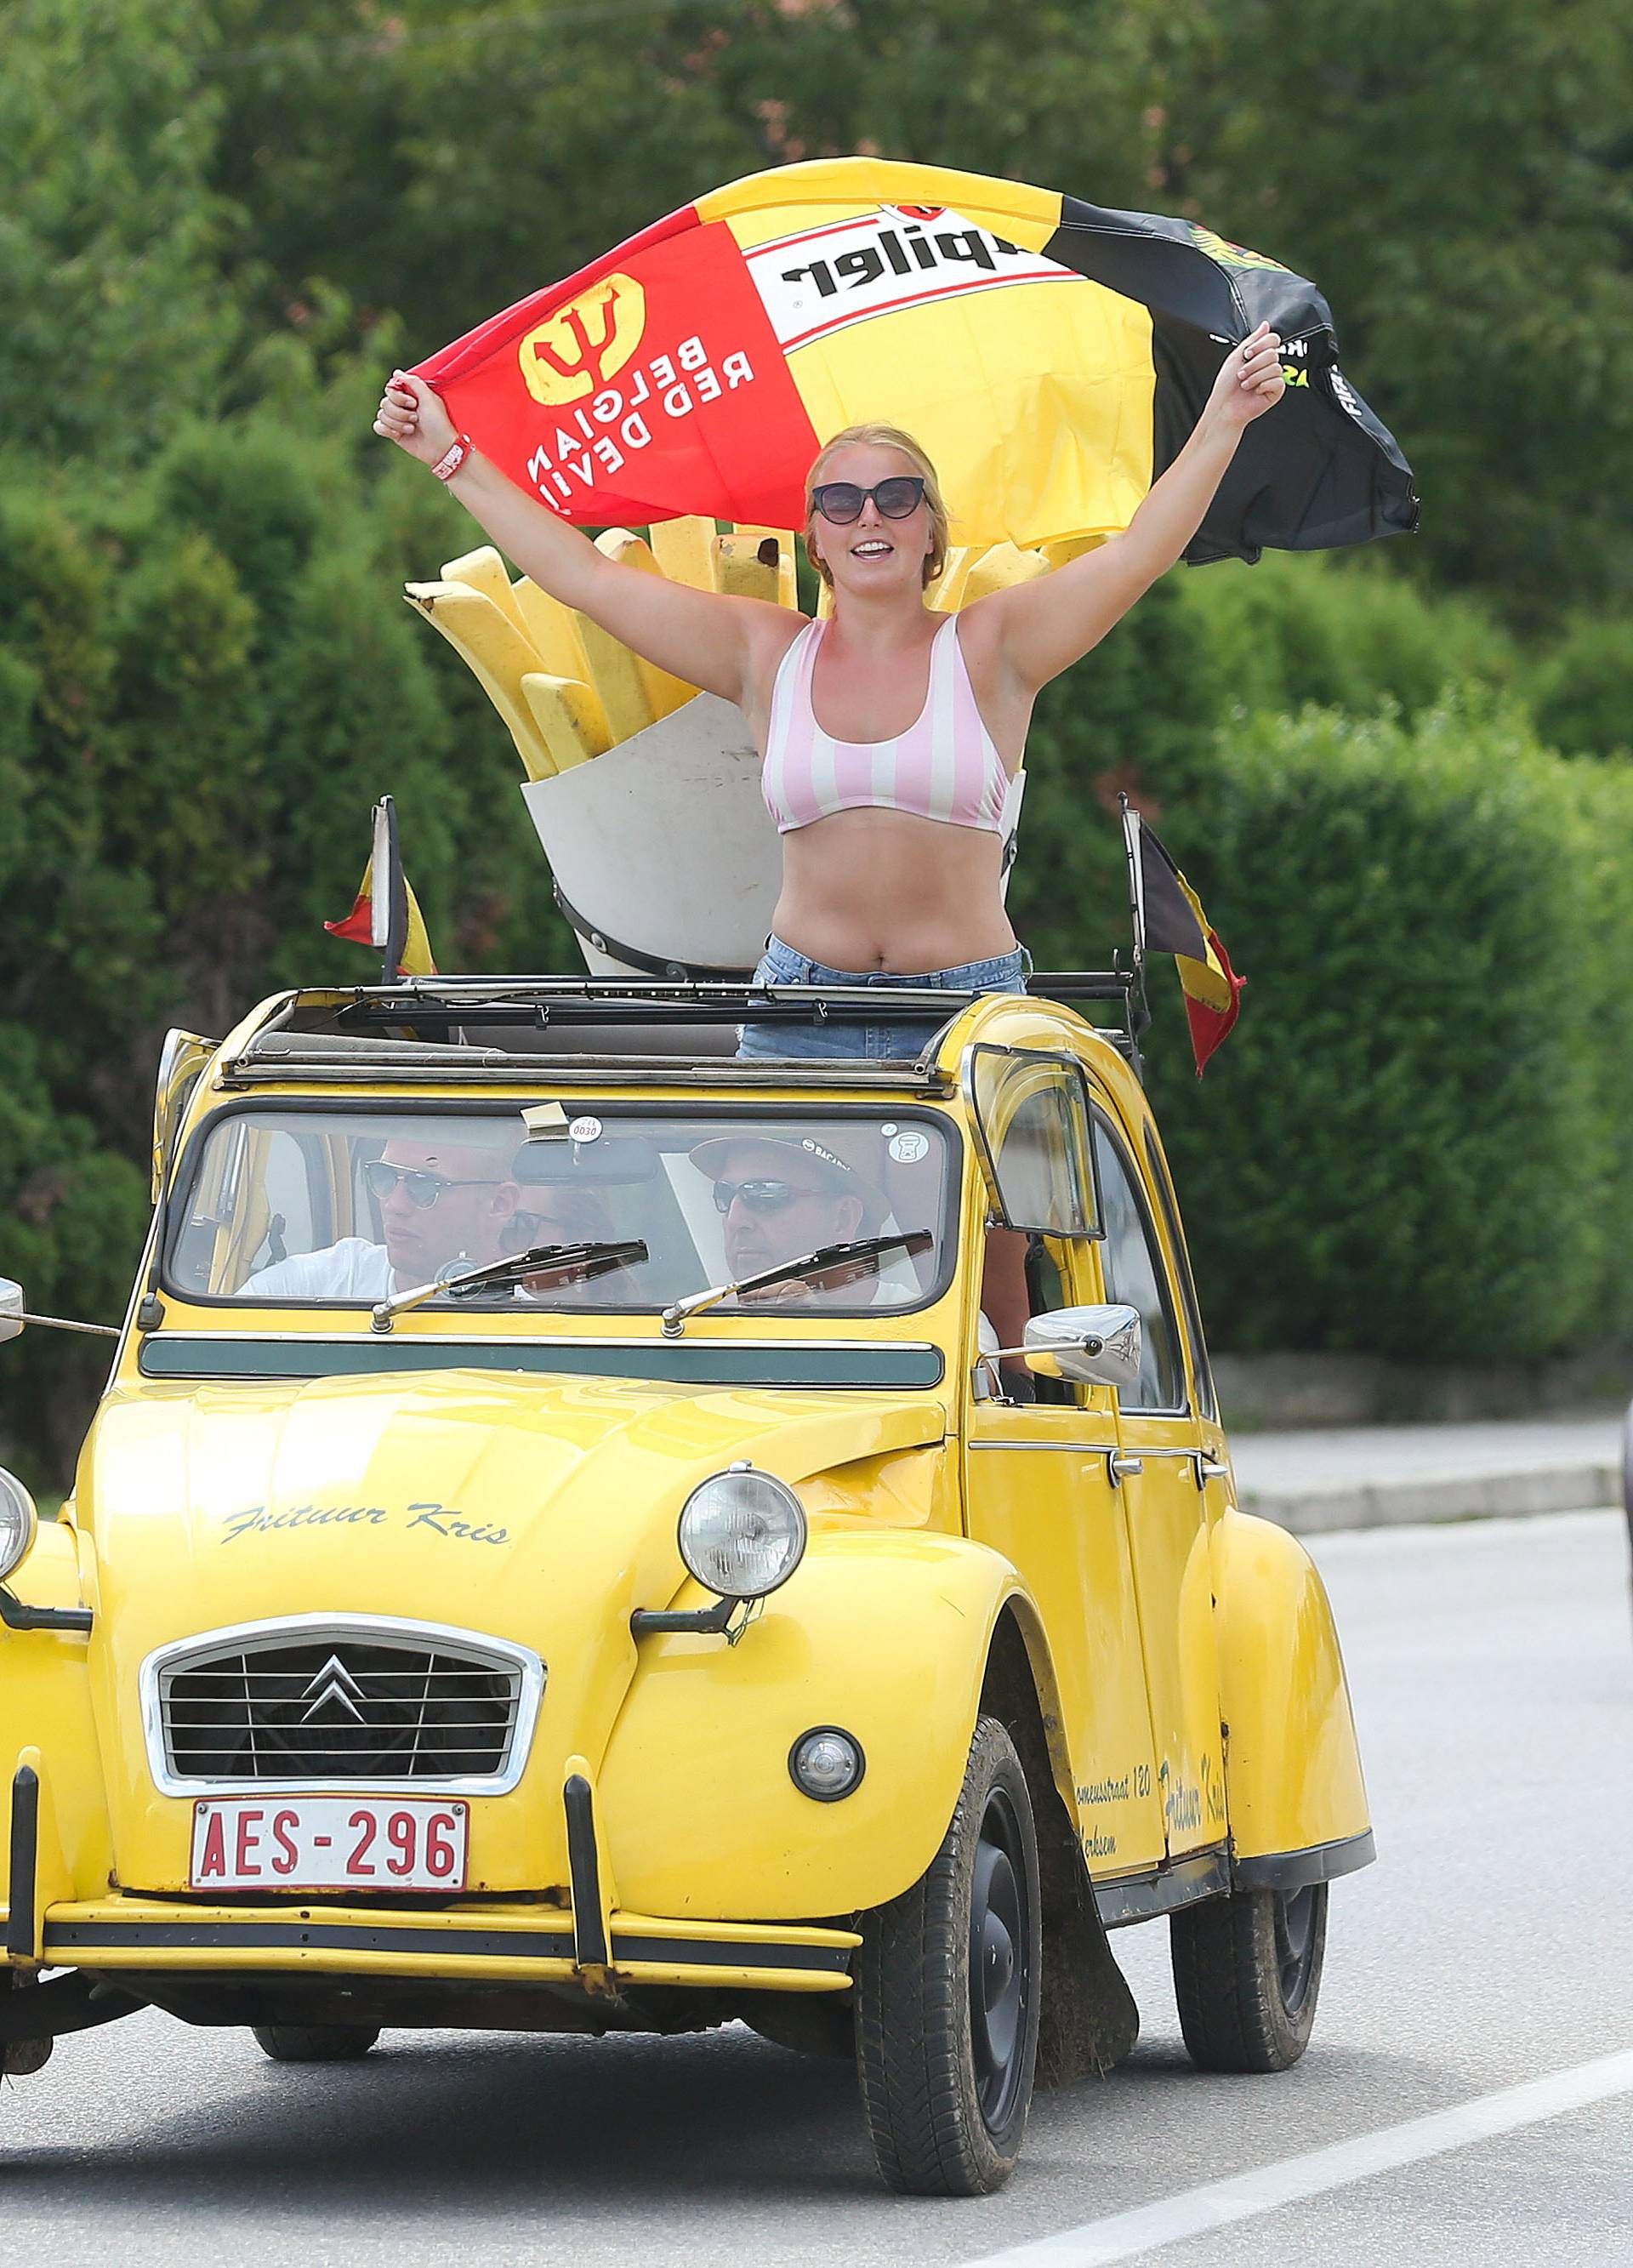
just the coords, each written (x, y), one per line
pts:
(354, 1268)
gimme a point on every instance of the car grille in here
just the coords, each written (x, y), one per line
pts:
(341, 1708)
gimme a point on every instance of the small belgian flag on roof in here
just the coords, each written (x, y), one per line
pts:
(1172, 920)
(385, 913)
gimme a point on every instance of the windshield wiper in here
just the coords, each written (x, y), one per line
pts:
(548, 1260)
(854, 1248)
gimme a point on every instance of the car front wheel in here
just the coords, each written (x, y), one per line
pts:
(315, 2042)
(1247, 1971)
(947, 1993)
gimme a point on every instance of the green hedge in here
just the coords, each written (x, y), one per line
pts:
(1204, 645)
(1415, 1141)
(1581, 688)
(1345, 631)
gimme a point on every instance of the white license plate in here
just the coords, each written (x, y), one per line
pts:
(329, 1842)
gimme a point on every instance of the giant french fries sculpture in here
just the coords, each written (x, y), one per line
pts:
(568, 691)
(669, 836)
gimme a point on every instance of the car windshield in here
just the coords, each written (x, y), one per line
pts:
(286, 1207)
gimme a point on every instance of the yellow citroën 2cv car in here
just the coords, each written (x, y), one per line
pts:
(673, 1614)
(561, 1549)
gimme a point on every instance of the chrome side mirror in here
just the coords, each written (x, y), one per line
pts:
(1091, 1346)
(14, 1314)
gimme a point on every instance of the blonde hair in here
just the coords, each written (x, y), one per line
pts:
(883, 437)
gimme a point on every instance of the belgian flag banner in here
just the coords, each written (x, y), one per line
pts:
(1170, 919)
(1051, 355)
(385, 914)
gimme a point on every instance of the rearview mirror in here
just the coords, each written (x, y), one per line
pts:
(1091, 1346)
(10, 1308)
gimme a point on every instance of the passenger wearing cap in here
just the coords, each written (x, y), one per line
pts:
(781, 1199)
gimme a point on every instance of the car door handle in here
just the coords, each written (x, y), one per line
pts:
(1120, 1466)
(1209, 1468)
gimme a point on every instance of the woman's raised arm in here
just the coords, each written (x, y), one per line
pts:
(723, 644)
(1040, 629)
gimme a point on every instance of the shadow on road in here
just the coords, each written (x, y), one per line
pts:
(430, 2119)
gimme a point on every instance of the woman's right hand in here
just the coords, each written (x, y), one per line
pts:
(412, 415)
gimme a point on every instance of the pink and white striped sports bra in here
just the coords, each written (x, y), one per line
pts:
(943, 767)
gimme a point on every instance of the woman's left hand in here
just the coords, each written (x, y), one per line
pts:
(1250, 380)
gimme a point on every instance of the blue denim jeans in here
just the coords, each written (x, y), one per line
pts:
(781, 965)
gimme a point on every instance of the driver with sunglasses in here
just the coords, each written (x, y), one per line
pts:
(779, 1200)
(441, 1204)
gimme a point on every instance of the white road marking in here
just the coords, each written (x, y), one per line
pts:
(1123, 2236)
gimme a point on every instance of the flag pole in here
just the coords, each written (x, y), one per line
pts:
(388, 903)
(1139, 1010)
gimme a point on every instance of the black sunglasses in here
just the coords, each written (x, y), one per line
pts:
(423, 1189)
(841, 501)
(759, 1196)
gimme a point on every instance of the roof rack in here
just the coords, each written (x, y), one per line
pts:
(545, 1000)
(390, 1031)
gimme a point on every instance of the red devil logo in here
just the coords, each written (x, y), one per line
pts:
(576, 350)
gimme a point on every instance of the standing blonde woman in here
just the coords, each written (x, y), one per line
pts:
(890, 733)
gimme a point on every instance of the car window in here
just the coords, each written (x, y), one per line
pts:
(1052, 1264)
(1032, 1114)
(294, 1206)
(1201, 1368)
(1132, 1268)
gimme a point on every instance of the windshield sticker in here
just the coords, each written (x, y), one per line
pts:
(586, 1128)
(908, 1149)
(442, 1519)
(543, 1120)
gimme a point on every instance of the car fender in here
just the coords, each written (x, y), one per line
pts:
(883, 1633)
(1292, 1767)
(46, 1725)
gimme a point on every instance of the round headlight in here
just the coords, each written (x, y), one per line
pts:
(742, 1533)
(17, 1522)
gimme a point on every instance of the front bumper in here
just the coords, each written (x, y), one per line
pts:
(591, 1943)
(473, 1941)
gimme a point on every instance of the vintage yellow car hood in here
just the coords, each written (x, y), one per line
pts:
(484, 1501)
(539, 1510)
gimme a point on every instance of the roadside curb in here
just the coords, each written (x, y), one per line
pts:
(1585, 1485)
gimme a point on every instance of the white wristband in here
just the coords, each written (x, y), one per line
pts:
(457, 452)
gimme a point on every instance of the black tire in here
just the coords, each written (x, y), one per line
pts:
(315, 2042)
(947, 1993)
(1246, 1973)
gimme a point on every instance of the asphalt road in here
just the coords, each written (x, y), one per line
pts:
(1492, 1666)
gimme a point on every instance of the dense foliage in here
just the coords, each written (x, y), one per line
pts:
(1414, 1143)
(220, 221)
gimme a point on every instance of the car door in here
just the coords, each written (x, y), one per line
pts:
(1038, 1485)
(1164, 1467)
